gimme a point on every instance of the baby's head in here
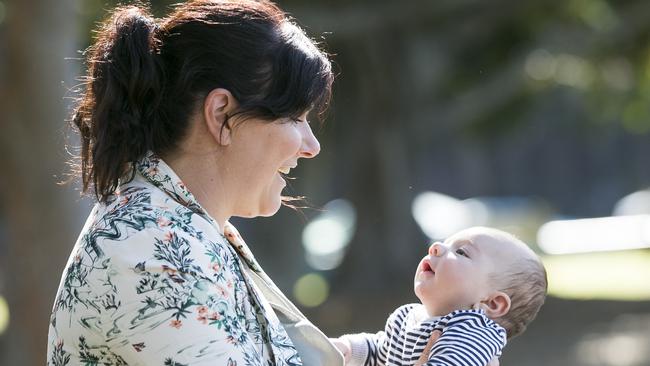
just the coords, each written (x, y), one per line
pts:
(487, 269)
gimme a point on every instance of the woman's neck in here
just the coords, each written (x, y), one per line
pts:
(203, 176)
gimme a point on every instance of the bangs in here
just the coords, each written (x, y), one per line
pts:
(300, 77)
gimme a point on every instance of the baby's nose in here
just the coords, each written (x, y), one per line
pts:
(436, 249)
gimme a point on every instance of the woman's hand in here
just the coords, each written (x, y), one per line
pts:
(343, 345)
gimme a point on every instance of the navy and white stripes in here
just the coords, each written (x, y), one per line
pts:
(468, 338)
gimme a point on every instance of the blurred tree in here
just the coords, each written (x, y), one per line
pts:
(545, 98)
(42, 217)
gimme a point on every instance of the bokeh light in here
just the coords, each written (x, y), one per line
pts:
(564, 69)
(440, 216)
(311, 290)
(617, 350)
(540, 65)
(4, 315)
(327, 236)
(574, 71)
(609, 276)
(594, 235)
(636, 203)
(626, 343)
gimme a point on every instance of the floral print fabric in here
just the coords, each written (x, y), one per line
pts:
(153, 281)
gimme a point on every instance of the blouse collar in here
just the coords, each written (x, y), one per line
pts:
(161, 175)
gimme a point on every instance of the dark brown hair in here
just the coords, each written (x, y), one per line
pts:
(145, 78)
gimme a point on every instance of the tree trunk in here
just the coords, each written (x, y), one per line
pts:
(41, 216)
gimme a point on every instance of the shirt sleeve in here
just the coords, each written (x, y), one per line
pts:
(372, 349)
(468, 338)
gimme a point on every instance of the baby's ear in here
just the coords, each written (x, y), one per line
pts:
(496, 305)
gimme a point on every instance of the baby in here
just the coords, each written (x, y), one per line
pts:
(479, 288)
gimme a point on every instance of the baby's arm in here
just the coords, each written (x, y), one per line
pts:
(360, 348)
(367, 348)
(468, 338)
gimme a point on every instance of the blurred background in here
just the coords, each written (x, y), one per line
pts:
(529, 115)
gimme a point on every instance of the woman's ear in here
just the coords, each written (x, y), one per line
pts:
(496, 305)
(217, 106)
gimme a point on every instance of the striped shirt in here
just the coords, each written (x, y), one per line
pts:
(468, 338)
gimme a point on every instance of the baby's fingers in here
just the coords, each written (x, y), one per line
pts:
(494, 362)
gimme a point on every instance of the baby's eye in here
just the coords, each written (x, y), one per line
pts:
(461, 251)
(298, 120)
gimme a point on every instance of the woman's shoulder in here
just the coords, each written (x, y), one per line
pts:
(139, 233)
(141, 223)
(139, 206)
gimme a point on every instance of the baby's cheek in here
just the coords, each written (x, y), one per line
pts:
(418, 289)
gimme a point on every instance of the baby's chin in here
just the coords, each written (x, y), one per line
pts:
(433, 310)
(418, 290)
(423, 299)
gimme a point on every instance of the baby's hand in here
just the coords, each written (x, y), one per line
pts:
(343, 345)
(494, 362)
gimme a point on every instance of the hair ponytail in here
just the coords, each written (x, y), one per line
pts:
(146, 82)
(117, 112)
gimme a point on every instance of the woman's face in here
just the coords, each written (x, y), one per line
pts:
(261, 152)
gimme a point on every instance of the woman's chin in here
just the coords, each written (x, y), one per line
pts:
(263, 210)
(270, 208)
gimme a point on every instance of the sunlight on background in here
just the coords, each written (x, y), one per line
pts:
(564, 69)
(4, 315)
(574, 71)
(540, 65)
(626, 343)
(621, 275)
(325, 240)
(327, 236)
(311, 290)
(593, 235)
(439, 216)
(636, 203)
(616, 73)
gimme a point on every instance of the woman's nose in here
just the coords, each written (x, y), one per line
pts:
(436, 249)
(310, 145)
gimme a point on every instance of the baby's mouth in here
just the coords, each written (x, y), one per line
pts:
(426, 267)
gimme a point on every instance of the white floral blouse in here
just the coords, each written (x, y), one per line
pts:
(152, 281)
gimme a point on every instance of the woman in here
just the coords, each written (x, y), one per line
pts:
(184, 123)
